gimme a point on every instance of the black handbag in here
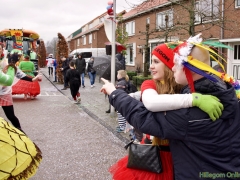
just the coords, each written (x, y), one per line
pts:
(144, 157)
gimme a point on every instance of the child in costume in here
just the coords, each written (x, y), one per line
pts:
(27, 88)
(73, 77)
(152, 96)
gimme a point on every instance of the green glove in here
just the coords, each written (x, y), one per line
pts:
(209, 104)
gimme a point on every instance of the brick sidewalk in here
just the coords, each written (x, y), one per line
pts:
(94, 103)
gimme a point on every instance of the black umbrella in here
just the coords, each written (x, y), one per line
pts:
(102, 65)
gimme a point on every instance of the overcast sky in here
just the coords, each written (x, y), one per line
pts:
(48, 17)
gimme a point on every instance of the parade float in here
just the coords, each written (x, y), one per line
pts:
(22, 41)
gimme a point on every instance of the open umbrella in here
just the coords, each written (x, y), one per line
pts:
(102, 66)
(19, 156)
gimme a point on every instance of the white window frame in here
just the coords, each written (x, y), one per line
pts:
(131, 54)
(130, 28)
(78, 42)
(160, 19)
(148, 20)
(90, 38)
(84, 40)
(207, 10)
(90, 26)
(237, 3)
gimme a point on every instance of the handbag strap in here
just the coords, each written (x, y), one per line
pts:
(161, 148)
(128, 144)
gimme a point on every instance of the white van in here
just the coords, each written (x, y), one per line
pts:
(95, 52)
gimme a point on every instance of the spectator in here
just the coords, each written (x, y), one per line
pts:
(50, 64)
(81, 67)
(91, 72)
(55, 70)
(121, 59)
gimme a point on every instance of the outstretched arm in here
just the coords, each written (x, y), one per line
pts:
(7, 79)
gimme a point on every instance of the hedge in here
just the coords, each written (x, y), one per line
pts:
(131, 74)
(138, 80)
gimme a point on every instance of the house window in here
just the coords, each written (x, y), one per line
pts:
(84, 40)
(237, 52)
(130, 28)
(165, 19)
(207, 10)
(237, 3)
(236, 64)
(90, 38)
(90, 26)
(130, 55)
(78, 41)
(148, 20)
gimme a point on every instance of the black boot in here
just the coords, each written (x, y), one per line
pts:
(108, 111)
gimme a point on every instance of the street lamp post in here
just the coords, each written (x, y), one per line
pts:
(113, 49)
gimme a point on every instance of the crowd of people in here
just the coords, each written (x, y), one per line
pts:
(187, 107)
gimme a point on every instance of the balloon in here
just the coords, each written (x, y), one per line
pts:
(110, 12)
(109, 7)
(110, 2)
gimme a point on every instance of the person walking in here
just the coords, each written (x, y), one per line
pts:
(73, 77)
(50, 64)
(55, 69)
(81, 67)
(64, 68)
(91, 72)
(197, 144)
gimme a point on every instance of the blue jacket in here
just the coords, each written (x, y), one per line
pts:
(200, 147)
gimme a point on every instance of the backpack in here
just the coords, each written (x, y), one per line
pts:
(131, 88)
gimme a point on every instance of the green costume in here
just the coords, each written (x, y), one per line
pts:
(27, 67)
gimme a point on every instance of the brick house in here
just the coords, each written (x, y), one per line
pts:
(90, 35)
(169, 21)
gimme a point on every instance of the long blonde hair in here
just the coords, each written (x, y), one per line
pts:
(167, 86)
(123, 74)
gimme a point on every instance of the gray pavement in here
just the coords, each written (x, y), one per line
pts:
(94, 103)
(77, 141)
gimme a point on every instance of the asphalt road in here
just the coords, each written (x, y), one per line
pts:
(74, 144)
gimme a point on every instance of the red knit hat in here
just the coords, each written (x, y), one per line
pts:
(165, 54)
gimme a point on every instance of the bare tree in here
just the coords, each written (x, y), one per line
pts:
(51, 46)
